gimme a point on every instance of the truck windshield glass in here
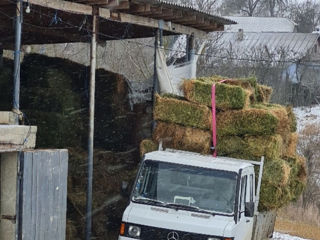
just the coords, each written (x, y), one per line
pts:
(169, 184)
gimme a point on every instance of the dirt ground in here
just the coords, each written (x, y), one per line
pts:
(299, 229)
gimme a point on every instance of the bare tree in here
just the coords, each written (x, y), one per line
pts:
(273, 5)
(306, 14)
(243, 7)
(203, 5)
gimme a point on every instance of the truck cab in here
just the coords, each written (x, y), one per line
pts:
(181, 195)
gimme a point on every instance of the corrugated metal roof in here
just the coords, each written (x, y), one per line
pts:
(291, 46)
(261, 24)
(218, 19)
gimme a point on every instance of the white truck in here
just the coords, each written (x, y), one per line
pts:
(181, 195)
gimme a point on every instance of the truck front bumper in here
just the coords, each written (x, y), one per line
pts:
(125, 238)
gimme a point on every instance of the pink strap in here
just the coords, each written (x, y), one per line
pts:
(214, 122)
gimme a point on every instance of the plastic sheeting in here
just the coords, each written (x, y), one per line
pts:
(170, 77)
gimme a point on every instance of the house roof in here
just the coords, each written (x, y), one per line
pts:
(60, 21)
(261, 24)
(276, 46)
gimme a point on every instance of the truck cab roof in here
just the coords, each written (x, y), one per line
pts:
(198, 160)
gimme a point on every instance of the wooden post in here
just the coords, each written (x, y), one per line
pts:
(93, 63)
(155, 88)
(190, 47)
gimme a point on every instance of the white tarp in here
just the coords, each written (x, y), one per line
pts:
(171, 77)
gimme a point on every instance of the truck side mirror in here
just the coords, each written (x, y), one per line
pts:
(249, 209)
(124, 189)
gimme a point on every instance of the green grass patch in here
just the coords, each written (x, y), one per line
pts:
(251, 147)
(227, 96)
(146, 146)
(183, 138)
(182, 112)
(253, 122)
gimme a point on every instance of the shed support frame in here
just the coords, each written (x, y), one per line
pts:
(17, 48)
(93, 64)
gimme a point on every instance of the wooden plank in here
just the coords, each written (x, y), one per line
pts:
(56, 184)
(63, 6)
(140, 8)
(104, 13)
(49, 192)
(44, 194)
(123, 17)
(177, 14)
(153, 23)
(63, 166)
(34, 198)
(26, 196)
(187, 20)
(123, 5)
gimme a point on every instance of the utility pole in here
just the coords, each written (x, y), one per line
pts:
(93, 63)
(17, 48)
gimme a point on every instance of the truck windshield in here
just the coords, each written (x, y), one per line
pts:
(173, 185)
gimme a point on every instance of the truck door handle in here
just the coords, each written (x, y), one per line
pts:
(247, 220)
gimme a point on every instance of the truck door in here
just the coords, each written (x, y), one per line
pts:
(245, 224)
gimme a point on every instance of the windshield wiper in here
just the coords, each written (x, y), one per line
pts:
(148, 200)
(177, 206)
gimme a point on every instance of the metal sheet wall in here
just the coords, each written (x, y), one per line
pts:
(43, 195)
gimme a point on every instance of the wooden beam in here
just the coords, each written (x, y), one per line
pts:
(164, 13)
(186, 20)
(123, 5)
(177, 14)
(63, 6)
(77, 8)
(140, 8)
(104, 13)
(154, 10)
(153, 23)
(71, 7)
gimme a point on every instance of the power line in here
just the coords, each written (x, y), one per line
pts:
(89, 31)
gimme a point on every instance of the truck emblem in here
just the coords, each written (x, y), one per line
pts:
(173, 236)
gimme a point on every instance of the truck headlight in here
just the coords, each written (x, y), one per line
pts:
(134, 231)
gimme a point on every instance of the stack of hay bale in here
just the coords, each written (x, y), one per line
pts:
(248, 127)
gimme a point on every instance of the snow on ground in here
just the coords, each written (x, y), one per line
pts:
(281, 236)
(307, 115)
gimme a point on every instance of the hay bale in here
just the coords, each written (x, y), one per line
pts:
(280, 112)
(6, 87)
(227, 96)
(183, 138)
(273, 197)
(291, 147)
(292, 119)
(147, 145)
(71, 230)
(251, 147)
(253, 122)
(57, 130)
(182, 112)
(275, 191)
(276, 172)
(264, 93)
(247, 83)
(298, 176)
